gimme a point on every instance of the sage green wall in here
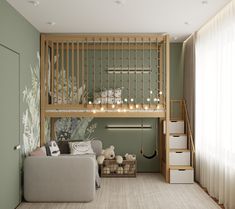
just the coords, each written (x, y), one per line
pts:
(19, 35)
(176, 71)
(129, 141)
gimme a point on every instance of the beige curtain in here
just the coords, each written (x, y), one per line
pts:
(215, 106)
(189, 77)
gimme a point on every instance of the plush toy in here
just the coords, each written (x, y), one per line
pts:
(126, 169)
(109, 154)
(130, 157)
(119, 159)
(100, 159)
(106, 170)
(113, 167)
(119, 170)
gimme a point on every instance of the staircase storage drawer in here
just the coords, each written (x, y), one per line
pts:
(181, 176)
(179, 158)
(175, 127)
(178, 142)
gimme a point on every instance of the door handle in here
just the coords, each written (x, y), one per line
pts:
(17, 147)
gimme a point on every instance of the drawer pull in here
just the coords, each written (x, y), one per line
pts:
(181, 170)
(178, 152)
(176, 136)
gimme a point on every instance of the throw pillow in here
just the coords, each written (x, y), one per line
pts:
(52, 148)
(39, 151)
(80, 148)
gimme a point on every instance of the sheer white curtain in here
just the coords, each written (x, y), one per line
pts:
(215, 106)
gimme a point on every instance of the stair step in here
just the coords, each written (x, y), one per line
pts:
(181, 174)
(175, 127)
(179, 150)
(176, 120)
(181, 167)
(179, 157)
(177, 141)
(178, 134)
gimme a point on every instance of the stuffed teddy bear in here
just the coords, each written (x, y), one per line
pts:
(109, 154)
(130, 157)
(119, 159)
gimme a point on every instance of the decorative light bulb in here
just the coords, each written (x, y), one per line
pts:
(155, 99)
(146, 107)
(113, 106)
(102, 109)
(148, 99)
(151, 92)
(118, 110)
(132, 100)
(160, 92)
(124, 110)
(131, 107)
(89, 102)
(137, 106)
(125, 99)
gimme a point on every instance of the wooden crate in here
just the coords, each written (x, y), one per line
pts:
(129, 168)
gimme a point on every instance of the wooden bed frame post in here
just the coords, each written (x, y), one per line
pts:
(42, 93)
(167, 54)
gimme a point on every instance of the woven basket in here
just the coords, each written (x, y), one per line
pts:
(110, 168)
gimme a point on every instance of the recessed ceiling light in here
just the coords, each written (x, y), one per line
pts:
(51, 23)
(186, 23)
(34, 3)
(204, 2)
(120, 2)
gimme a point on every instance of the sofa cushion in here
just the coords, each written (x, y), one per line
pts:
(80, 148)
(39, 151)
(52, 148)
(64, 146)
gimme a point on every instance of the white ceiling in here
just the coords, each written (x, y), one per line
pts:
(106, 16)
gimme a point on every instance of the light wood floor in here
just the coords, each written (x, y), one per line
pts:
(147, 191)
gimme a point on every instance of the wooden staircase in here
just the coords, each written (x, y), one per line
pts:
(178, 146)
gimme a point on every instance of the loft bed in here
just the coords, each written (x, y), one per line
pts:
(98, 75)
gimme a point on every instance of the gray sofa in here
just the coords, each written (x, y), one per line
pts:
(65, 178)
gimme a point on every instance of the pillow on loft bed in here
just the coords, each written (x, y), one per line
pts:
(111, 93)
(108, 100)
(77, 95)
(110, 96)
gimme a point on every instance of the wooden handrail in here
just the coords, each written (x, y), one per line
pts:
(189, 126)
(183, 115)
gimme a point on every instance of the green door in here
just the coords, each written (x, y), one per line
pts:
(9, 129)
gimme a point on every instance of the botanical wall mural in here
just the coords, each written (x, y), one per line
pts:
(66, 128)
(31, 116)
(74, 129)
